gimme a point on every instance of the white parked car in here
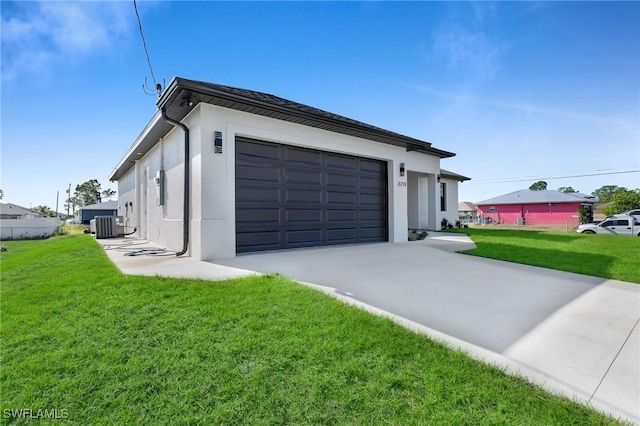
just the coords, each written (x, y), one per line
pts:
(619, 224)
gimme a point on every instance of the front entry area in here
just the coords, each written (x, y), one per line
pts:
(421, 213)
(292, 197)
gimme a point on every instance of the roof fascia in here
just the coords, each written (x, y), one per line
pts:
(131, 156)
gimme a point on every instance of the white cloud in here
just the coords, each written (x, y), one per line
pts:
(37, 36)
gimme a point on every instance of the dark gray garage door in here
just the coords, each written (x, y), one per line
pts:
(289, 197)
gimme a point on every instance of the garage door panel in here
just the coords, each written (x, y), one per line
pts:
(258, 194)
(290, 197)
(373, 166)
(341, 180)
(375, 215)
(304, 156)
(253, 241)
(373, 234)
(303, 176)
(339, 197)
(258, 215)
(372, 199)
(341, 215)
(262, 174)
(257, 150)
(306, 237)
(336, 235)
(341, 161)
(303, 215)
(370, 182)
(297, 195)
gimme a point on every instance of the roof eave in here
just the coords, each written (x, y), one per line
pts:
(180, 89)
(153, 131)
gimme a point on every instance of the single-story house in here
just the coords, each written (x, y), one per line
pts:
(467, 212)
(108, 208)
(221, 170)
(535, 207)
(14, 211)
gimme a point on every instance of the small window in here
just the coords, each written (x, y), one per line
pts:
(443, 197)
(492, 209)
(622, 222)
(607, 223)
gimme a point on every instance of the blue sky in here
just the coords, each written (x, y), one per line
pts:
(521, 91)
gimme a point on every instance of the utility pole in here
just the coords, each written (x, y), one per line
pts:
(57, 201)
(68, 199)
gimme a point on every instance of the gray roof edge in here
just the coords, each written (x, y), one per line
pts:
(129, 158)
(452, 175)
(537, 197)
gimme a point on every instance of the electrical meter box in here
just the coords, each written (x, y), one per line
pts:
(159, 181)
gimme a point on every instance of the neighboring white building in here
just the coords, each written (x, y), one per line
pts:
(266, 173)
(19, 223)
(14, 211)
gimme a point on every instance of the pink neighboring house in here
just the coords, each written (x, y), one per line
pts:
(534, 207)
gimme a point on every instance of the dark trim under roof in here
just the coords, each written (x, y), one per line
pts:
(451, 175)
(182, 95)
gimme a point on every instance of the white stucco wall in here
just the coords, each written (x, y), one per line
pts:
(138, 194)
(212, 200)
(22, 229)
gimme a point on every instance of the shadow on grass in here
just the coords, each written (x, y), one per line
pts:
(597, 265)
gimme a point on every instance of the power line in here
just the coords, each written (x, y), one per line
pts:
(144, 44)
(551, 178)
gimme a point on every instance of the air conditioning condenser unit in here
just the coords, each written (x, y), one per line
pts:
(106, 227)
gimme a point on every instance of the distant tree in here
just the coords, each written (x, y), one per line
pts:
(72, 203)
(623, 200)
(1, 194)
(108, 193)
(539, 186)
(45, 211)
(88, 192)
(567, 189)
(585, 213)
(606, 193)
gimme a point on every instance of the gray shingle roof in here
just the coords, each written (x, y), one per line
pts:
(268, 105)
(528, 196)
(182, 95)
(16, 210)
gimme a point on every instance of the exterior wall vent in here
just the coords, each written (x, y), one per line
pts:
(217, 142)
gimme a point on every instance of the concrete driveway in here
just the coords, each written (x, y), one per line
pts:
(573, 334)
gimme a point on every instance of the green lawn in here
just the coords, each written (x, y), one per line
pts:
(604, 256)
(79, 336)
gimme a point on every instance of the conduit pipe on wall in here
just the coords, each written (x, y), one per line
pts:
(185, 213)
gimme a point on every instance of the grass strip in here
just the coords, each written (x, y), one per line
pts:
(606, 256)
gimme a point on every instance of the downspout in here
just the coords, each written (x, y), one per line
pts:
(185, 213)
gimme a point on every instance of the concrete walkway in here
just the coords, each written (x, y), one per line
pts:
(572, 334)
